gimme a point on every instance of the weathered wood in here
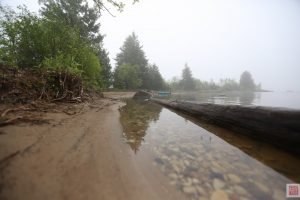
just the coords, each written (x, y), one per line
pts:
(278, 126)
(142, 95)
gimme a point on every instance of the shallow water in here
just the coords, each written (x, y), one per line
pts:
(202, 160)
(272, 99)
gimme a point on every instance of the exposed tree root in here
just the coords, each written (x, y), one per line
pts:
(24, 86)
(5, 112)
(10, 121)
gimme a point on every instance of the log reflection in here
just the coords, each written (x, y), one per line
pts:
(135, 119)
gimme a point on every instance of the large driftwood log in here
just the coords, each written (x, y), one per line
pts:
(142, 95)
(278, 126)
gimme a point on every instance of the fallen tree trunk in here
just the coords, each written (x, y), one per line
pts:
(278, 126)
(142, 95)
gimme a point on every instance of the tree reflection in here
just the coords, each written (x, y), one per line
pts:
(135, 119)
(246, 98)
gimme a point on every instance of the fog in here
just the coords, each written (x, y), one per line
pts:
(218, 39)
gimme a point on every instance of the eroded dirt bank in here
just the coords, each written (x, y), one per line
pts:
(78, 156)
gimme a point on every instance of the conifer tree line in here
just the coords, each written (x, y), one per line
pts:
(133, 70)
(189, 83)
(66, 38)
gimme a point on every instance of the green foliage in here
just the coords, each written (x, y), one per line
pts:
(101, 5)
(226, 84)
(89, 62)
(29, 41)
(126, 77)
(83, 16)
(62, 63)
(106, 73)
(66, 39)
(18, 37)
(76, 14)
(133, 54)
(154, 79)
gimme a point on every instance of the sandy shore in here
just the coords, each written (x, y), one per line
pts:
(78, 156)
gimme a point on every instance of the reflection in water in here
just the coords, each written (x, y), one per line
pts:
(238, 98)
(201, 164)
(273, 99)
(279, 160)
(135, 119)
(246, 98)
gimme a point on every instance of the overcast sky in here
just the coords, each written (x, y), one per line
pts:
(217, 38)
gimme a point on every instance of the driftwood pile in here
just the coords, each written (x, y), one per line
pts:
(23, 86)
(27, 93)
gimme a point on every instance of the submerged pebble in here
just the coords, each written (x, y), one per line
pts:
(189, 190)
(234, 178)
(219, 195)
(200, 190)
(173, 176)
(240, 190)
(218, 184)
(262, 187)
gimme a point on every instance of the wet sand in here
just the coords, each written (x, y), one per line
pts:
(77, 157)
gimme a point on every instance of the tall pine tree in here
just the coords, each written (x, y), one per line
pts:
(154, 79)
(246, 81)
(76, 14)
(133, 54)
(106, 73)
(187, 82)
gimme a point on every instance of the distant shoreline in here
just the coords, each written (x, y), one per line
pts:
(211, 91)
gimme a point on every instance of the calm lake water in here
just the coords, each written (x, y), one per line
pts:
(204, 161)
(273, 99)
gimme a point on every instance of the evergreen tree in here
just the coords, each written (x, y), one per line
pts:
(154, 78)
(228, 84)
(126, 77)
(106, 72)
(133, 54)
(187, 82)
(76, 14)
(246, 81)
(65, 39)
(83, 17)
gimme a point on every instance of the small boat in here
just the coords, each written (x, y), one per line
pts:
(161, 94)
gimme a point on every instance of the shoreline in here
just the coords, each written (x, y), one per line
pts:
(80, 156)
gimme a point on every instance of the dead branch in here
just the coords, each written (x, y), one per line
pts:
(6, 111)
(43, 91)
(61, 98)
(10, 121)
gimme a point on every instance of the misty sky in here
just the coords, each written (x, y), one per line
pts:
(217, 38)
